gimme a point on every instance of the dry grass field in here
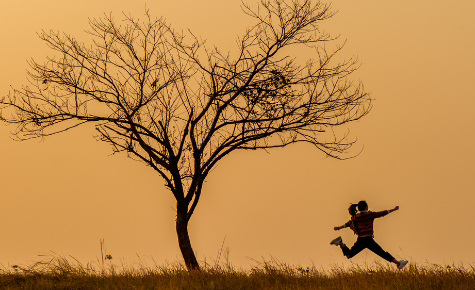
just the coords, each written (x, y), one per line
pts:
(60, 273)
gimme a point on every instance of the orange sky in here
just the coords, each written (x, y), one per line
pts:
(65, 193)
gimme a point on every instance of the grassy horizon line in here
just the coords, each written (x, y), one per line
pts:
(59, 273)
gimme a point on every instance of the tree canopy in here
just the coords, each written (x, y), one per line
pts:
(167, 99)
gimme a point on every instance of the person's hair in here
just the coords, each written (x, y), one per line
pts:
(362, 205)
(352, 209)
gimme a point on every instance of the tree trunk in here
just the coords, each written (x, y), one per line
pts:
(184, 241)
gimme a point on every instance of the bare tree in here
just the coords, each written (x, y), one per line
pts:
(164, 98)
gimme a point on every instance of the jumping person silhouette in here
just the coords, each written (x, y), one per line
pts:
(362, 225)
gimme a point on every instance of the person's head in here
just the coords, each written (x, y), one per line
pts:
(361, 206)
(352, 209)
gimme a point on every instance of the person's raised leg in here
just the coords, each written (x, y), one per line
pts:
(376, 248)
(357, 247)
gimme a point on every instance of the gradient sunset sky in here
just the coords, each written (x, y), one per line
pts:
(65, 193)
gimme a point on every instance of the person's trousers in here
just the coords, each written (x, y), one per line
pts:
(366, 243)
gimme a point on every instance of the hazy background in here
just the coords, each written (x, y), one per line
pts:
(66, 193)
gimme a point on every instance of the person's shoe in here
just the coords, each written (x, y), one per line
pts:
(401, 264)
(336, 241)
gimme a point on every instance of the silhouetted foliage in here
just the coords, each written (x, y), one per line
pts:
(163, 97)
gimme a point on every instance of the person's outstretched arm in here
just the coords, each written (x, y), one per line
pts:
(394, 209)
(340, 227)
(378, 214)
